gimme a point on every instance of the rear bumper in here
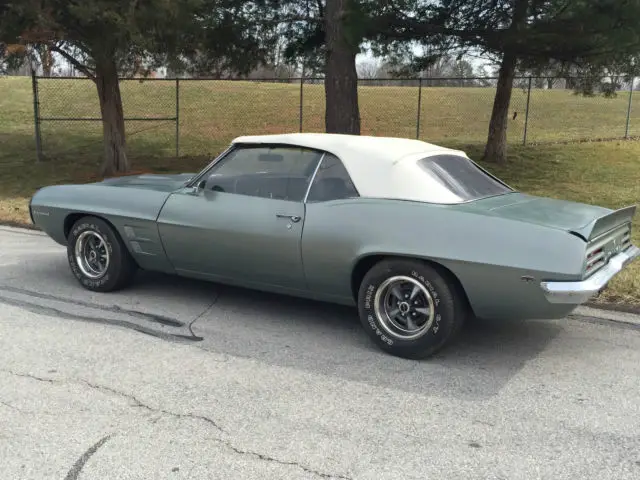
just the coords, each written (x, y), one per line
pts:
(577, 293)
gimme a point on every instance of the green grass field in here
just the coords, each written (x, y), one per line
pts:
(214, 112)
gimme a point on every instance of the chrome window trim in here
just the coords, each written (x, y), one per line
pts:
(306, 197)
(313, 177)
(422, 163)
(195, 180)
(236, 146)
(396, 196)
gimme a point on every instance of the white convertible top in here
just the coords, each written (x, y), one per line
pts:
(380, 167)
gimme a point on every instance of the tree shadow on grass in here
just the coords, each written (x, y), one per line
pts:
(76, 158)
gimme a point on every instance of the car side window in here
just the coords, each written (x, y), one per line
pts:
(332, 182)
(270, 172)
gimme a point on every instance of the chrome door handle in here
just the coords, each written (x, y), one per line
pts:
(293, 218)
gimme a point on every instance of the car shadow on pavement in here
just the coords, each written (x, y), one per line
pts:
(315, 337)
(328, 339)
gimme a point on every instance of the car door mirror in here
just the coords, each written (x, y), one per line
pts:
(218, 183)
(197, 189)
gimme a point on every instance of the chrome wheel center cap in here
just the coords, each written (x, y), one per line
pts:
(404, 307)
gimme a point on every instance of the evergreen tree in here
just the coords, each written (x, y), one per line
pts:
(107, 38)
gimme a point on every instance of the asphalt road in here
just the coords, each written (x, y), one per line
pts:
(176, 379)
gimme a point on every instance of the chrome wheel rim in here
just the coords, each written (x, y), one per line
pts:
(92, 254)
(404, 307)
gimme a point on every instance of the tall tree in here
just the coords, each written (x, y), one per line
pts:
(496, 147)
(341, 78)
(107, 38)
(533, 31)
(327, 34)
(45, 56)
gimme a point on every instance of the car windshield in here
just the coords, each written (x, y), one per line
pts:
(462, 177)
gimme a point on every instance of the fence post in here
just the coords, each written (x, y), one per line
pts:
(526, 114)
(301, 98)
(177, 117)
(626, 132)
(419, 109)
(36, 115)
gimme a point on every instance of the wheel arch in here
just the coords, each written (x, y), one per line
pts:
(71, 218)
(366, 262)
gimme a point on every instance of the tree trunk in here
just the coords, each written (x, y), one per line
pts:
(46, 58)
(496, 148)
(341, 79)
(115, 154)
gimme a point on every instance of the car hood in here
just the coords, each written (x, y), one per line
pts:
(585, 220)
(162, 183)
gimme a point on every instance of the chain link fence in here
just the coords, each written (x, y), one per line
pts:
(196, 117)
(68, 118)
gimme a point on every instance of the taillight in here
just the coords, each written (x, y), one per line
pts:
(595, 259)
(614, 241)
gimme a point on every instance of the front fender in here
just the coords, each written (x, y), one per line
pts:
(132, 213)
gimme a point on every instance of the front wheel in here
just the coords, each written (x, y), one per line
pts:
(409, 308)
(97, 257)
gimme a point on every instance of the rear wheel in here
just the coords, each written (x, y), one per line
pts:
(97, 256)
(409, 308)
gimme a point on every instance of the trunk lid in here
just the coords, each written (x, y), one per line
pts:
(586, 221)
(162, 183)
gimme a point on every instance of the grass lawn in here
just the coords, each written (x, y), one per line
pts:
(212, 113)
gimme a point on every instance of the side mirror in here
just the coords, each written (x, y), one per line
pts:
(195, 191)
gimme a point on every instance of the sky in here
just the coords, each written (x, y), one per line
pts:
(365, 57)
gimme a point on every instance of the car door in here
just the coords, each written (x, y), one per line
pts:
(246, 223)
(331, 238)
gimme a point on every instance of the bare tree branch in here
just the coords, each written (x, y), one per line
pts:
(80, 66)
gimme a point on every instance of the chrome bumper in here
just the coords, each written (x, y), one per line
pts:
(577, 293)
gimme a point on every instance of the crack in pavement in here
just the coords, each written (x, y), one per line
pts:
(202, 314)
(28, 375)
(152, 317)
(53, 312)
(282, 462)
(137, 403)
(8, 405)
(84, 458)
(28, 412)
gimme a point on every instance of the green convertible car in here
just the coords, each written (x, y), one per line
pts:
(417, 236)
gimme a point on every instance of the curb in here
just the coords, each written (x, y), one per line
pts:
(616, 316)
(18, 225)
(632, 309)
(24, 230)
